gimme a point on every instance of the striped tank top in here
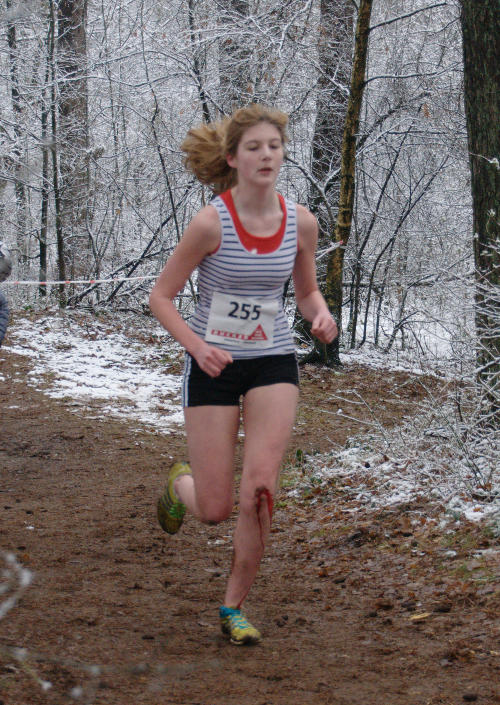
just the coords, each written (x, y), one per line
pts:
(240, 286)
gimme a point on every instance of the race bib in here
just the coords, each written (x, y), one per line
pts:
(243, 321)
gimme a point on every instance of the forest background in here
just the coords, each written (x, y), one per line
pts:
(97, 97)
(394, 145)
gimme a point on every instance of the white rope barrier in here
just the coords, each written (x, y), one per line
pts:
(113, 280)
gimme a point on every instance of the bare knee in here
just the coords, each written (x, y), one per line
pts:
(214, 512)
(262, 500)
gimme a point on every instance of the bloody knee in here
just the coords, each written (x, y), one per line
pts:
(264, 498)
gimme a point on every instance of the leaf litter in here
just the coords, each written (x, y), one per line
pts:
(385, 593)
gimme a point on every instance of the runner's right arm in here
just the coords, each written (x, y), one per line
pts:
(202, 236)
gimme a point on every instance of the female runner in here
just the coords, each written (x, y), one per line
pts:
(245, 243)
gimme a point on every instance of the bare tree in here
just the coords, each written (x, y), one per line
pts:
(16, 158)
(335, 40)
(147, 71)
(335, 266)
(73, 135)
(407, 233)
(234, 54)
(481, 47)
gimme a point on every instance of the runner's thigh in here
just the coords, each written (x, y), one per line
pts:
(211, 437)
(268, 417)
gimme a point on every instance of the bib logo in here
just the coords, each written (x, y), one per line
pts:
(258, 334)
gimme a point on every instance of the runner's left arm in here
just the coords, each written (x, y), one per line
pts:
(309, 299)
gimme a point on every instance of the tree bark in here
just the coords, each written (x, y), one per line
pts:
(481, 50)
(335, 58)
(44, 191)
(234, 56)
(16, 158)
(197, 64)
(335, 264)
(60, 244)
(73, 130)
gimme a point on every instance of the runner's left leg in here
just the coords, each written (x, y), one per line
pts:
(268, 417)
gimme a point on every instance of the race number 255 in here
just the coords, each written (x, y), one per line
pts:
(245, 312)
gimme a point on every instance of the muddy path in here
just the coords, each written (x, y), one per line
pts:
(357, 607)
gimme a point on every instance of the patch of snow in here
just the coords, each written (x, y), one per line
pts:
(370, 478)
(131, 377)
(110, 368)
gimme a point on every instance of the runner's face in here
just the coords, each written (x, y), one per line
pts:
(259, 155)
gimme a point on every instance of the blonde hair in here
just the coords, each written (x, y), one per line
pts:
(207, 146)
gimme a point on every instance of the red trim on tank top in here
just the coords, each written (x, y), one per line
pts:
(263, 245)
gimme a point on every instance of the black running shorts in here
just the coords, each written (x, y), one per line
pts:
(236, 379)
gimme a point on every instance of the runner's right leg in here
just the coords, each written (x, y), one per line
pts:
(212, 433)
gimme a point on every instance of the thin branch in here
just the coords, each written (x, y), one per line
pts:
(410, 14)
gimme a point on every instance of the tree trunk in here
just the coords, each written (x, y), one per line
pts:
(197, 64)
(44, 195)
(335, 58)
(73, 130)
(60, 244)
(481, 31)
(16, 158)
(234, 55)
(335, 265)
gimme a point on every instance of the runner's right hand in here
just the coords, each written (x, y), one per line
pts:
(211, 359)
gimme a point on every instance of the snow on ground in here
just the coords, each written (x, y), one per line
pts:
(88, 362)
(91, 361)
(372, 479)
(110, 368)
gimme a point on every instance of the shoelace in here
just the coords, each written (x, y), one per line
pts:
(238, 620)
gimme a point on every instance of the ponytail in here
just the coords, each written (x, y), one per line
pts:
(204, 147)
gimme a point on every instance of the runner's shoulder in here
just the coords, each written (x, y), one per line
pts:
(205, 227)
(307, 226)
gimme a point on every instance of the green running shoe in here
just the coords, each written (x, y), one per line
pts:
(238, 627)
(170, 510)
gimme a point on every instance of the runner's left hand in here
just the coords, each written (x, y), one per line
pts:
(324, 327)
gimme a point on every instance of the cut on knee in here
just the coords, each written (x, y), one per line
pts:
(264, 497)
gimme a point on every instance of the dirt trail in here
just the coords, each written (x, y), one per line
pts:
(356, 608)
